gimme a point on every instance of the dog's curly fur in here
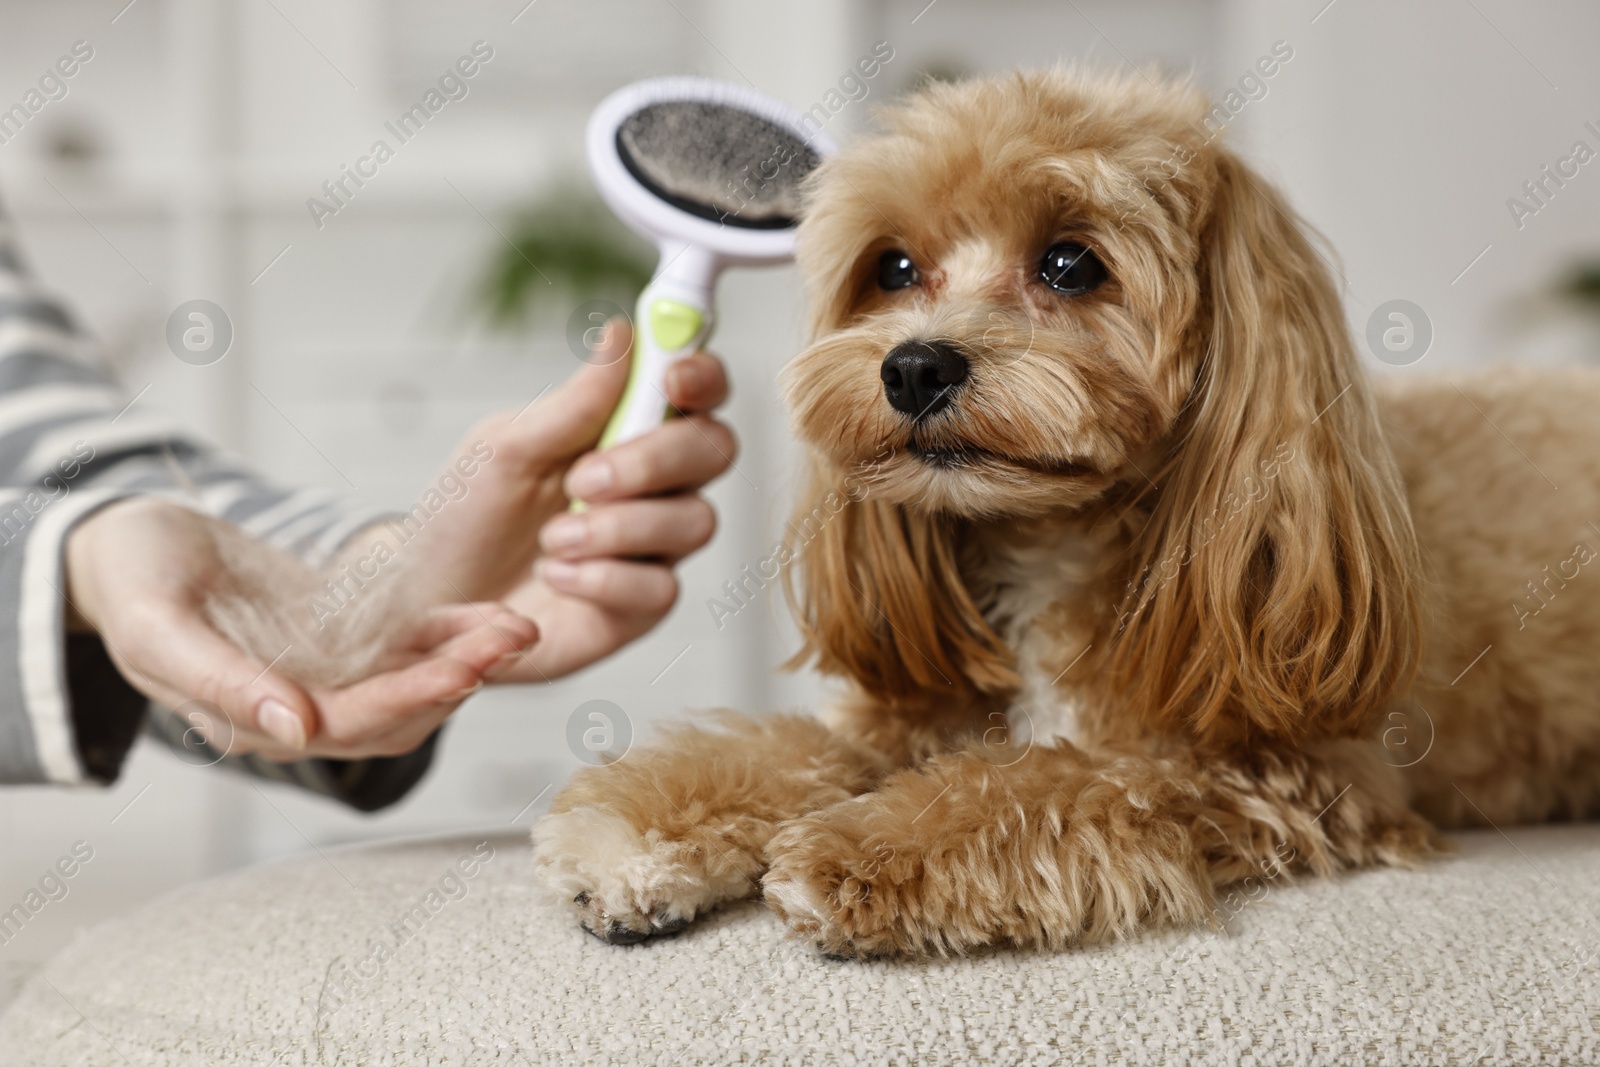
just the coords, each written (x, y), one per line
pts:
(1166, 597)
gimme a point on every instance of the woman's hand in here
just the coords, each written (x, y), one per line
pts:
(597, 579)
(139, 573)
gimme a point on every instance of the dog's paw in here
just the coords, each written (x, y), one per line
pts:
(845, 892)
(627, 884)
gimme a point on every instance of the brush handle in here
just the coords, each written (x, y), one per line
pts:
(669, 323)
(671, 320)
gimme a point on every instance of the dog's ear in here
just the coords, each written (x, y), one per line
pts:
(878, 597)
(1271, 592)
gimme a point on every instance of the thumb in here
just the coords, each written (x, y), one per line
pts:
(572, 417)
(198, 662)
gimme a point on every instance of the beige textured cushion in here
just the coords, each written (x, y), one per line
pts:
(1483, 958)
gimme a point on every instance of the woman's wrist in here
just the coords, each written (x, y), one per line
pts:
(78, 554)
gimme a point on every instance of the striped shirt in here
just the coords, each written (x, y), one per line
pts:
(71, 443)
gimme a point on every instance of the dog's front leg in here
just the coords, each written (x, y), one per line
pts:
(644, 845)
(1052, 846)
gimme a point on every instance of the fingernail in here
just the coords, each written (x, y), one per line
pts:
(503, 664)
(462, 694)
(499, 667)
(567, 531)
(281, 724)
(595, 476)
(559, 571)
(686, 377)
(532, 630)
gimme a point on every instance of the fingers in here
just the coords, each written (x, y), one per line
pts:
(682, 454)
(387, 714)
(390, 713)
(578, 411)
(571, 417)
(455, 620)
(625, 587)
(498, 641)
(192, 659)
(391, 709)
(667, 528)
(570, 420)
(697, 383)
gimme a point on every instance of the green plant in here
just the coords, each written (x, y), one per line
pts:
(565, 247)
(1582, 283)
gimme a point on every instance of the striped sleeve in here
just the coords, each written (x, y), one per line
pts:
(70, 444)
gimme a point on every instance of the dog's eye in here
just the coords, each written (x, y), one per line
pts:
(1068, 267)
(896, 271)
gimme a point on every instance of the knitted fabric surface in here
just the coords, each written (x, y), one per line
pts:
(446, 952)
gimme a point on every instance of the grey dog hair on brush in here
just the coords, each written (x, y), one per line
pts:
(717, 161)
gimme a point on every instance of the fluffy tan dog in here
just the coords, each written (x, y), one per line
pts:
(1139, 588)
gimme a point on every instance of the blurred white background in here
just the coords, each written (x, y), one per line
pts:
(180, 162)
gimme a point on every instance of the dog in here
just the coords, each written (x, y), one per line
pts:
(1139, 587)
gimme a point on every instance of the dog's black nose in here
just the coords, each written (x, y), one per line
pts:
(919, 376)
